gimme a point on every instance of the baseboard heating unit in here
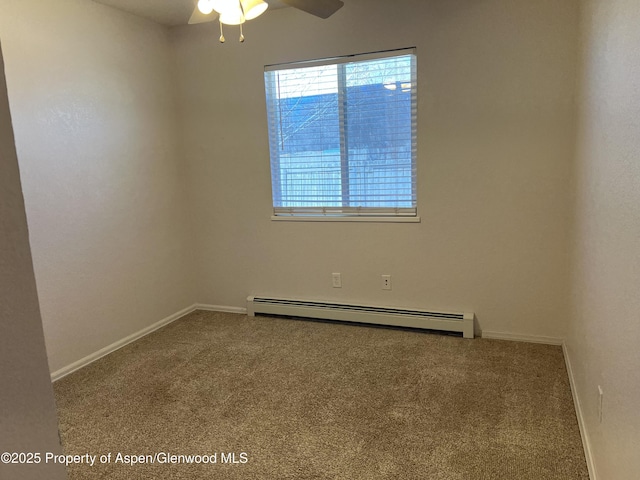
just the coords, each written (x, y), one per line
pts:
(397, 317)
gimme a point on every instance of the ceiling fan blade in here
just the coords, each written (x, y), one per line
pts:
(198, 17)
(319, 8)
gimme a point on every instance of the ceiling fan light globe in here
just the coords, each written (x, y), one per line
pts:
(226, 6)
(253, 8)
(232, 18)
(205, 6)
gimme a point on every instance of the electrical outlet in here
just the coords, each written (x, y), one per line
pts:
(336, 278)
(386, 282)
(600, 396)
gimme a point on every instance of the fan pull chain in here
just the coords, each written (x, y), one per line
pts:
(222, 39)
(242, 10)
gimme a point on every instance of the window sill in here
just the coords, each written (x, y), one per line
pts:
(295, 218)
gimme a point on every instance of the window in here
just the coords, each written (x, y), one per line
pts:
(342, 136)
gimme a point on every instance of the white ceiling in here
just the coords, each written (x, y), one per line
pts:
(165, 12)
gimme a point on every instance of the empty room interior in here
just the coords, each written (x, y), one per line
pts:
(160, 246)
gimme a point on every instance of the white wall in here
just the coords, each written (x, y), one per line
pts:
(27, 410)
(95, 125)
(495, 142)
(605, 323)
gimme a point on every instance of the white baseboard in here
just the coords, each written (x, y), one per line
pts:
(83, 362)
(581, 422)
(522, 338)
(220, 308)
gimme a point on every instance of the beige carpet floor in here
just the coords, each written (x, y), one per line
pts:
(295, 399)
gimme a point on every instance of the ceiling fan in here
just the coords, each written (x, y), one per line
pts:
(237, 12)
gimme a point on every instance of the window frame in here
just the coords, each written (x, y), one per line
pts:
(342, 213)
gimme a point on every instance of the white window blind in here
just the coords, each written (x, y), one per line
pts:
(342, 135)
